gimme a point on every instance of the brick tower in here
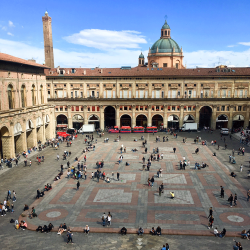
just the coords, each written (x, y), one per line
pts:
(48, 43)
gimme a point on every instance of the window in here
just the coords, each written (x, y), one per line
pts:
(245, 93)
(93, 108)
(173, 108)
(120, 93)
(88, 108)
(201, 93)
(125, 108)
(72, 108)
(88, 93)
(212, 93)
(239, 108)
(60, 93)
(218, 108)
(157, 94)
(227, 108)
(48, 94)
(97, 93)
(66, 109)
(153, 94)
(146, 94)
(10, 97)
(141, 108)
(234, 108)
(65, 93)
(229, 93)
(146, 108)
(77, 108)
(33, 95)
(169, 94)
(73, 71)
(61, 72)
(173, 93)
(23, 96)
(189, 93)
(235, 93)
(157, 108)
(241, 94)
(141, 93)
(177, 65)
(104, 94)
(93, 93)
(125, 94)
(162, 94)
(244, 108)
(71, 94)
(165, 65)
(165, 33)
(194, 93)
(109, 92)
(222, 108)
(61, 108)
(189, 108)
(56, 109)
(114, 94)
(81, 94)
(120, 108)
(224, 93)
(178, 93)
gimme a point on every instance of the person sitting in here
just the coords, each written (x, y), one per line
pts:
(49, 186)
(135, 139)
(124, 231)
(108, 180)
(216, 233)
(222, 233)
(86, 229)
(60, 229)
(26, 207)
(39, 229)
(158, 231)
(38, 194)
(172, 195)
(140, 231)
(64, 227)
(44, 229)
(50, 227)
(23, 225)
(42, 194)
(127, 164)
(152, 231)
(245, 234)
(33, 213)
(46, 188)
(214, 154)
(233, 174)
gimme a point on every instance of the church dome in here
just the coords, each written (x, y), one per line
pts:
(141, 55)
(165, 25)
(165, 45)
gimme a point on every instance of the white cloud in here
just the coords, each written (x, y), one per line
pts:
(11, 24)
(210, 58)
(10, 34)
(231, 46)
(4, 28)
(245, 43)
(107, 39)
(121, 57)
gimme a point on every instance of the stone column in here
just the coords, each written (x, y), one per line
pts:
(165, 117)
(68, 90)
(246, 121)
(150, 90)
(34, 132)
(24, 139)
(43, 127)
(197, 114)
(70, 124)
(11, 142)
(117, 115)
(133, 116)
(133, 89)
(85, 114)
(181, 116)
(102, 117)
(213, 121)
(230, 120)
(149, 116)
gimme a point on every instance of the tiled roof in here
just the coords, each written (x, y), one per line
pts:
(9, 58)
(147, 72)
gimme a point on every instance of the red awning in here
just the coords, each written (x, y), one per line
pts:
(62, 125)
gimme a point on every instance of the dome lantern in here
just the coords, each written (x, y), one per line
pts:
(141, 60)
(165, 30)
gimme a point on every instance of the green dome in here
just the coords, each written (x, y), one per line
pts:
(141, 55)
(165, 45)
(165, 26)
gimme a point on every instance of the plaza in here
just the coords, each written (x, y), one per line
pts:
(131, 202)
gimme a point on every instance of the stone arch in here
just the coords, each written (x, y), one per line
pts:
(125, 120)
(205, 116)
(157, 120)
(4, 142)
(77, 121)
(18, 138)
(109, 116)
(23, 96)
(10, 91)
(141, 120)
(33, 94)
(222, 121)
(173, 121)
(189, 119)
(17, 129)
(94, 119)
(47, 119)
(238, 121)
(39, 122)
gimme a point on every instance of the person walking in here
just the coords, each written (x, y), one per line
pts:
(70, 239)
(210, 222)
(30, 163)
(57, 157)
(174, 149)
(159, 190)
(235, 200)
(221, 192)
(77, 185)
(241, 168)
(210, 212)
(152, 181)
(230, 199)
(118, 176)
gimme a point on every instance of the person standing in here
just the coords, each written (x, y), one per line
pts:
(210, 222)
(8, 194)
(174, 150)
(14, 196)
(233, 152)
(230, 199)
(235, 199)
(77, 185)
(30, 163)
(210, 212)
(159, 190)
(118, 176)
(241, 167)
(248, 195)
(221, 192)
(70, 239)
(57, 157)
(152, 181)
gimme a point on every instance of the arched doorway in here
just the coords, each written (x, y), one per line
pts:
(18, 138)
(157, 121)
(189, 119)
(109, 116)
(39, 131)
(4, 142)
(125, 120)
(47, 127)
(29, 134)
(62, 122)
(94, 119)
(77, 121)
(141, 120)
(173, 121)
(221, 121)
(205, 117)
(238, 121)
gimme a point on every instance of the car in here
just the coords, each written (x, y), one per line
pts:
(224, 131)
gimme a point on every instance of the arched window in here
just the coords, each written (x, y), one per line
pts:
(41, 94)
(33, 95)
(10, 96)
(165, 33)
(23, 96)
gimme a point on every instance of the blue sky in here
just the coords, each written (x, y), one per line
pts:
(113, 33)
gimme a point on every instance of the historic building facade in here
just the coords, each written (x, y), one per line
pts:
(25, 116)
(213, 97)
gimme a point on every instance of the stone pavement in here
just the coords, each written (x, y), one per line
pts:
(131, 202)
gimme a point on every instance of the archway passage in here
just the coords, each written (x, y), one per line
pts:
(173, 121)
(188, 119)
(238, 121)
(62, 122)
(205, 117)
(157, 121)
(125, 120)
(77, 121)
(29, 134)
(221, 121)
(4, 143)
(141, 120)
(93, 119)
(109, 116)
